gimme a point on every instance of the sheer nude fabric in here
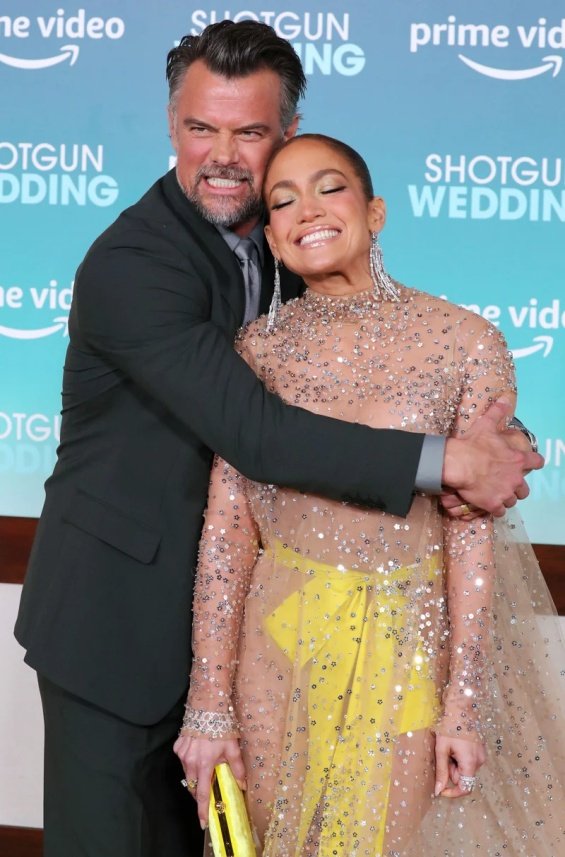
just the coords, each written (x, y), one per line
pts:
(343, 636)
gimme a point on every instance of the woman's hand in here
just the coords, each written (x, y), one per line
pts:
(199, 756)
(456, 758)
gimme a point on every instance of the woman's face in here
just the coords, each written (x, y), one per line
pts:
(320, 219)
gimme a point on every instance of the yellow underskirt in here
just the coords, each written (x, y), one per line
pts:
(342, 635)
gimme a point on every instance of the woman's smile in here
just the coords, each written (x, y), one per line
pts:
(317, 236)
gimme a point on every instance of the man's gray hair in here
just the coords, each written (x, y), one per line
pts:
(236, 50)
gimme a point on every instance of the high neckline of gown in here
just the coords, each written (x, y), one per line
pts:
(342, 307)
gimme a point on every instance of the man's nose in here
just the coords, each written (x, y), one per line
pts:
(225, 150)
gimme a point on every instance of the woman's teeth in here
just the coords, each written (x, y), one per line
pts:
(321, 235)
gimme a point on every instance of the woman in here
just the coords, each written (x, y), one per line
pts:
(356, 658)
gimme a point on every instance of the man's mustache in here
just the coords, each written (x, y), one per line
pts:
(217, 172)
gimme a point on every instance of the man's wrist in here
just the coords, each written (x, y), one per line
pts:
(430, 467)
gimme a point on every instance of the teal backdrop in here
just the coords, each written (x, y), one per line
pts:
(458, 108)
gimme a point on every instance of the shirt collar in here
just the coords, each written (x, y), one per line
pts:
(256, 235)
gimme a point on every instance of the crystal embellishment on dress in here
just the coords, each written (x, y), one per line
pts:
(363, 634)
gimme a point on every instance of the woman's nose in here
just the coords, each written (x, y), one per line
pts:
(310, 208)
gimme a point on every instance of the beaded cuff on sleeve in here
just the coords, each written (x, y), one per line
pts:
(209, 724)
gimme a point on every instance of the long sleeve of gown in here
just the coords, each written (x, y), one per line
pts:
(487, 372)
(228, 550)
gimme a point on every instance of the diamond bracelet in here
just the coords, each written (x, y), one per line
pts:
(212, 724)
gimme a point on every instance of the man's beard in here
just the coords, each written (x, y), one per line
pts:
(227, 211)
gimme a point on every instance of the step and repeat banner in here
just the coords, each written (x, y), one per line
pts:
(457, 107)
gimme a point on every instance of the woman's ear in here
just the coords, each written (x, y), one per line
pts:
(376, 214)
(271, 242)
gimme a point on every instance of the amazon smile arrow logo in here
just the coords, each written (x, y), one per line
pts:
(543, 343)
(67, 52)
(552, 62)
(61, 323)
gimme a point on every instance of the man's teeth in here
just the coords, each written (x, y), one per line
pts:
(322, 235)
(217, 182)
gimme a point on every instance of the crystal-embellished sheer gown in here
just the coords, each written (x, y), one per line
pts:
(345, 637)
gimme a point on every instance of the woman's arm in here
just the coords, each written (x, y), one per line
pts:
(228, 550)
(486, 373)
(469, 567)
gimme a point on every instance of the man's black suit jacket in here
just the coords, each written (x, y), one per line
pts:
(151, 386)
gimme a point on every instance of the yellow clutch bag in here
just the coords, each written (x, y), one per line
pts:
(230, 830)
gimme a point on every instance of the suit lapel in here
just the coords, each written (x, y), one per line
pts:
(227, 269)
(225, 264)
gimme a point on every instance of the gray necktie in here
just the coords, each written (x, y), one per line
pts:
(246, 252)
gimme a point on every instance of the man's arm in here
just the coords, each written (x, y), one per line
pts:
(148, 316)
(146, 312)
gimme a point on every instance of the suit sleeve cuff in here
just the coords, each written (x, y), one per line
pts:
(430, 467)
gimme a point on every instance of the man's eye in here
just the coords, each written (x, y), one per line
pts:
(332, 189)
(253, 135)
(198, 129)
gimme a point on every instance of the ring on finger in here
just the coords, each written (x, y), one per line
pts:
(467, 783)
(189, 784)
(465, 509)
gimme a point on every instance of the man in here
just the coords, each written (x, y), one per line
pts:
(151, 386)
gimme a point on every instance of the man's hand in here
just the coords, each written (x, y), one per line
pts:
(486, 467)
(453, 503)
(455, 507)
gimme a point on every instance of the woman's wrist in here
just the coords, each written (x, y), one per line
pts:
(200, 723)
(459, 724)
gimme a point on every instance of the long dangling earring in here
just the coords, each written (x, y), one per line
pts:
(384, 286)
(276, 300)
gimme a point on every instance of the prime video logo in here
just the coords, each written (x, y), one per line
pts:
(52, 302)
(76, 27)
(538, 37)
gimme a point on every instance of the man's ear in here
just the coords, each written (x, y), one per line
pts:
(271, 242)
(172, 126)
(376, 214)
(292, 128)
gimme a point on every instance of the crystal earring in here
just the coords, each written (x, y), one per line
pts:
(276, 300)
(384, 286)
